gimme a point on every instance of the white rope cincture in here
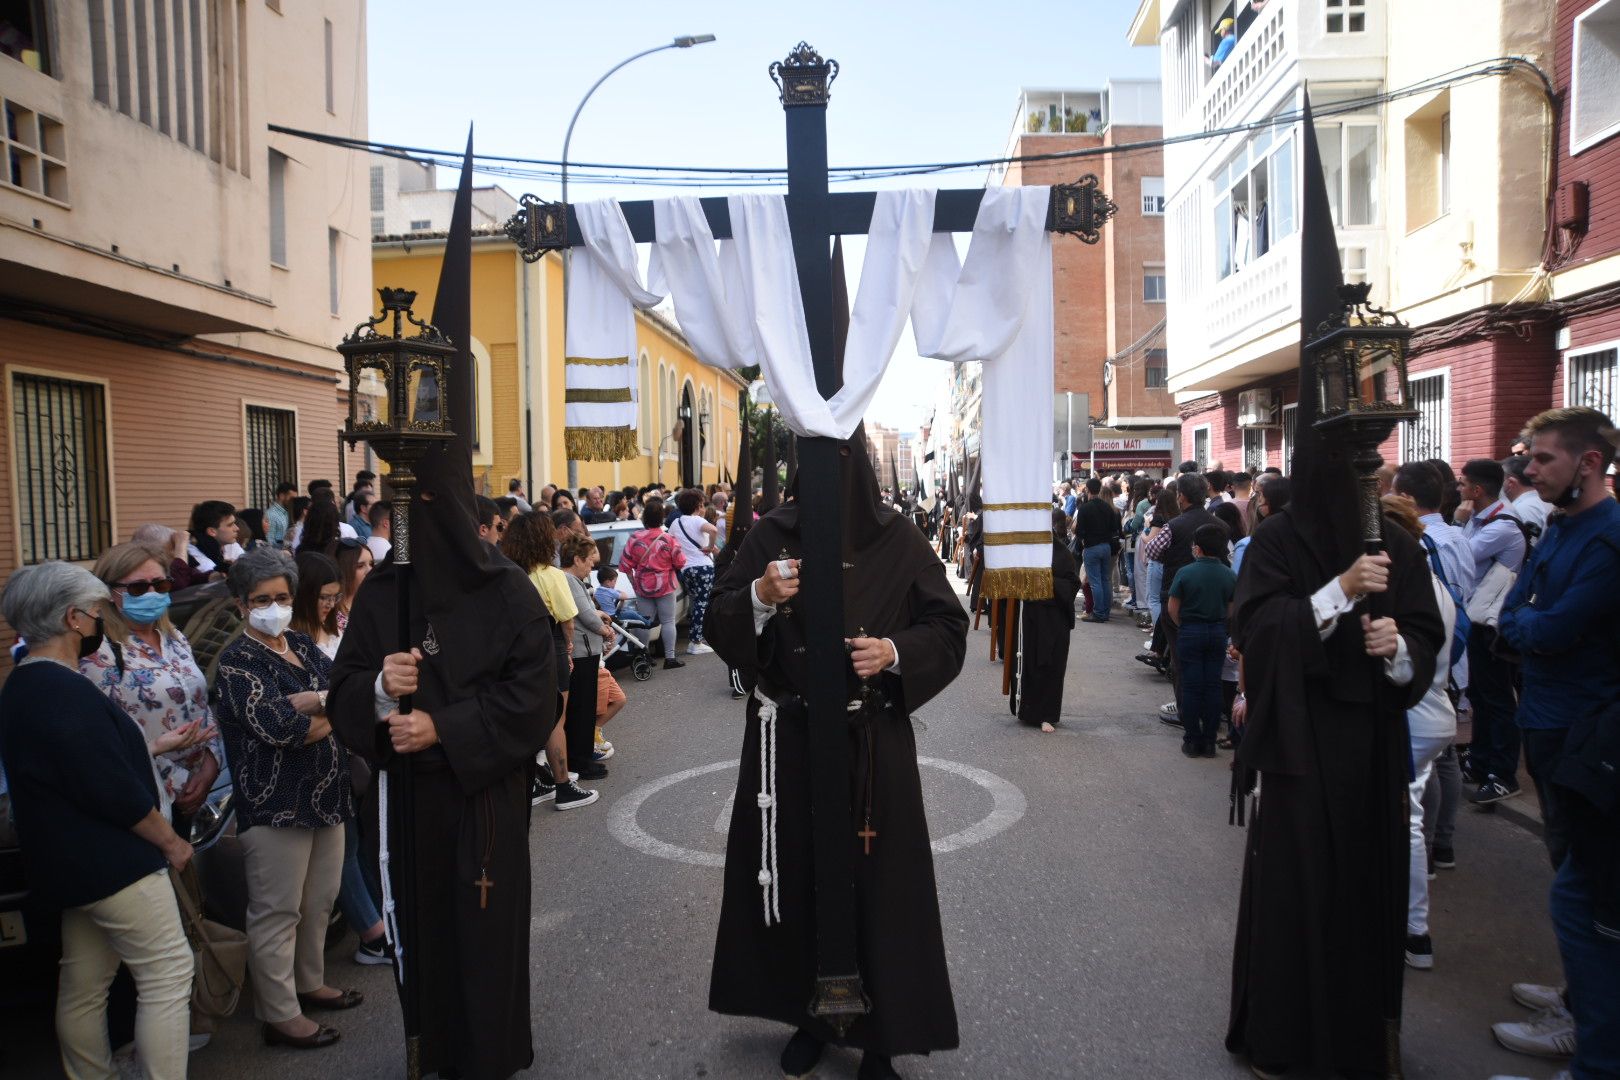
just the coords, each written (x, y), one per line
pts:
(390, 918)
(769, 879)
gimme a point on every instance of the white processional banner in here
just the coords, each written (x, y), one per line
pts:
(600, 376)
(996, 307)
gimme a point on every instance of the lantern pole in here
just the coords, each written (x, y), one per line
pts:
(401, 438)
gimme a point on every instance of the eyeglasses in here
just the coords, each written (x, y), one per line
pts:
(327, 600)
(264, 600)
(140, 588)
(500, 526)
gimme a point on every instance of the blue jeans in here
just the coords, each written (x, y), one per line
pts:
(1592, 968)
(357, 897)
(1098, 559)
(1155, 586)
(1201, 646)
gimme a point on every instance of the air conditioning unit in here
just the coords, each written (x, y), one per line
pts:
(1258, 409)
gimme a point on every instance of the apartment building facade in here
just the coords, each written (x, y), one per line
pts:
(173, 275)
(1442, 189)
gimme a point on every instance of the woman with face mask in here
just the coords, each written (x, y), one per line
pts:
(145, 665)
(96, 846)
(292, 797)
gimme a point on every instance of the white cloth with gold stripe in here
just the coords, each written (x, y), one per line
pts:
(996, 307)
(600, 376)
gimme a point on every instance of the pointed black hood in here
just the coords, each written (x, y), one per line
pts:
(1325, 498)
(770, 488)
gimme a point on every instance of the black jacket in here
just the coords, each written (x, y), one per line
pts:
(1096, 522)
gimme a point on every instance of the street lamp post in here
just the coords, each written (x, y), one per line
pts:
(686, 41)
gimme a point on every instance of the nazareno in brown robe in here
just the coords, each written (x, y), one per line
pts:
(488, 680)
(894, 587)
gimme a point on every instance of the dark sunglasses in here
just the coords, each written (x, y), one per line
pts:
(139, 588)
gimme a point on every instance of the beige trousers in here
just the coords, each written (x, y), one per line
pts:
(139, 926)
(293, 877)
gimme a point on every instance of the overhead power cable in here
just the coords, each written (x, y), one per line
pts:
(706, 176)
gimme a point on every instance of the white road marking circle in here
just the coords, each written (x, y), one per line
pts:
(1008, 805)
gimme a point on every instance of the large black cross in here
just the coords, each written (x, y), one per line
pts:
(815, 216)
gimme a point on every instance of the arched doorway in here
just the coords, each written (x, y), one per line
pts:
(686, 430)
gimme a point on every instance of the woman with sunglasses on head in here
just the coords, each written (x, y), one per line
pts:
(354, 562)
(145, 665)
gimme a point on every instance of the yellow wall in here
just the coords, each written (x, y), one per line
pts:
(497, 326)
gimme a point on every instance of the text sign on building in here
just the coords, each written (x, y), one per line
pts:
(1110, 446)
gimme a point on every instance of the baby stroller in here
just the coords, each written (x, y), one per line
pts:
(628, 651)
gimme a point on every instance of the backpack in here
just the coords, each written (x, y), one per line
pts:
(652, 560)
(1459, 635)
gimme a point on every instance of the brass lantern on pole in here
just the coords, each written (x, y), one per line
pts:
(413, 372)
(1359, 356)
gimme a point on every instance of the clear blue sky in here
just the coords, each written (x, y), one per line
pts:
(920, 81)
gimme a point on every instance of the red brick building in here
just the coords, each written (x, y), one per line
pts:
(1108, 297)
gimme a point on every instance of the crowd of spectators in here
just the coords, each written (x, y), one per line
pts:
(110, 759)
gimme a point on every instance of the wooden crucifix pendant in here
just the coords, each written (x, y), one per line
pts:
(484, 885)
(867, 834)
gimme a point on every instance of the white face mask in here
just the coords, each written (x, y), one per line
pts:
(271, 621)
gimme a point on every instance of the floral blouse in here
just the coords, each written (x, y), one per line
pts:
(279, 780)
(161, 689)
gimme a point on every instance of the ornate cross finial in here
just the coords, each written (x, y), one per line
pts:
(804, 78)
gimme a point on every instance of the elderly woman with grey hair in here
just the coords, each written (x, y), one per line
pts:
(85, 798)
(292, 797)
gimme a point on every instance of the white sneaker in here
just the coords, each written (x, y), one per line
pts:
(1534, 996)
(697, 648)
(604, 748)
(1549, 1033)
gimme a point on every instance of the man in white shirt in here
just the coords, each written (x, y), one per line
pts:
(1529, 505)
(1497, 544)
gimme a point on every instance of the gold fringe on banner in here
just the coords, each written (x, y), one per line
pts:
(605, 361)
(610, 396)
(600, 443)
(1018, 582)
(1035, 537)
(1018, 506)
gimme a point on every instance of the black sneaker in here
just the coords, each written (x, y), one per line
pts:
(673, 663)
(1208, 749)
(1419, 952)
(1444, 858)
(1190, 749)
(571, 796)
(589, 770)
(1492, 791)
(540, 792)
(800, 1056)
(374, 952)
(547, 780)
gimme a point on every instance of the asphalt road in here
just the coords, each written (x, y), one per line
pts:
(1089, 933)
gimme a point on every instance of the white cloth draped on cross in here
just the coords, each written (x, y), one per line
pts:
(738, 303)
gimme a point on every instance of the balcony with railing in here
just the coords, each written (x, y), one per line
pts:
(1268, 45)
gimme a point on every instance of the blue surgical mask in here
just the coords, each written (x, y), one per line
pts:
(146, 609)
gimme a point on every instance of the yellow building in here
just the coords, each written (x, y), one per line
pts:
(517, 326)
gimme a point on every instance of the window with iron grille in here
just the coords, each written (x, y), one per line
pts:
(64, 507)
(1201, 447)
(1157, 369)
(272, 440)
(1290, 414)
(1590, 378)
(1429, 435)
(1254, 451)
